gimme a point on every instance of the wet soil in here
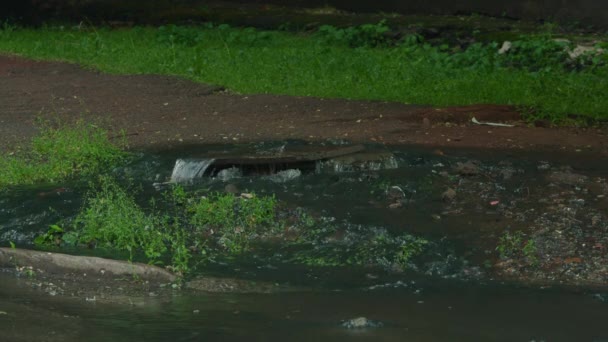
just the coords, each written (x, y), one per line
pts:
(158, 112)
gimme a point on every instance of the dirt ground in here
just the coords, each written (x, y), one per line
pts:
(164, 112)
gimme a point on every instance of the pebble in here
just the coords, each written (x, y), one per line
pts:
(231, 189)
(449, 194)
(426, 123)
(467, 169)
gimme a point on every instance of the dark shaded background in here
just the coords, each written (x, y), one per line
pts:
(581, 12)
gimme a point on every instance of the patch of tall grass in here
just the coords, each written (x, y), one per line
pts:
(61, 152)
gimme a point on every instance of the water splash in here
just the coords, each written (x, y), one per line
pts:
(358, 162)
(187, 170)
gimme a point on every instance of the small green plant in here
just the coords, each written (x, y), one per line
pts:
(515, 245)
(530, 252)
(234, 219)
(27, 271)
(307, 220)
(509, 245)
(410, 248)
(61, 152)
(52, 237)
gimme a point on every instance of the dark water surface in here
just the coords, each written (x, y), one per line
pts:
(437, 311)
(433, 304)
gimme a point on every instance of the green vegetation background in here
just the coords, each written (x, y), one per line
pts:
(357, 63)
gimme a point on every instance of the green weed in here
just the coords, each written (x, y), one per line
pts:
(112, 219)
(58, 153)
(509, 244)
(530, 252)
(516, 246)
(233, 219)
(51, 237)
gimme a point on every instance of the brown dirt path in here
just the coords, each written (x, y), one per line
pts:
(163, 111)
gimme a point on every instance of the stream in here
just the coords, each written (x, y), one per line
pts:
(460, 289)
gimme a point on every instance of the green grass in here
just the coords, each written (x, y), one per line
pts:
(517, 246)
(250, 61)
(112, 219)
(235, 220)
(59, 153)
(185, 226)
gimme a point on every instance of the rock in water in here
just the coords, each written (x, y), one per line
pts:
(360, 323)
(395, 193)
(285, 175)
(467, 169)
(228, 174)
(448, 195)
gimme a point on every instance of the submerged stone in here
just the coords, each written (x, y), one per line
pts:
(230, 173)
(395, 193)
(364, 161)
(468, 168)
(285, 175)
(567, 178)
(360, 323)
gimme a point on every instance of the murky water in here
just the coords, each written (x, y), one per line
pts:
(425, 311)
(448, 296)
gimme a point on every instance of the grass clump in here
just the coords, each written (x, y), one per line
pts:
(515, 245)
(112, 219)
(363, 62)
(187, 227)
(235, 220)
(59, 153)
